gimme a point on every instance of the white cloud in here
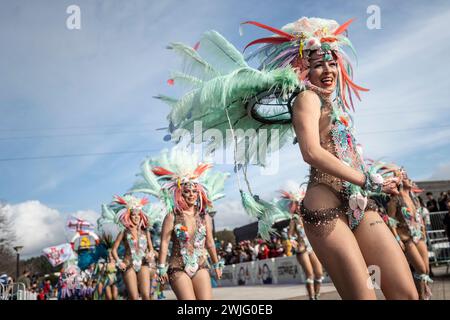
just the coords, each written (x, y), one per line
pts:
(230, 214)
(441, 172)
(37, 226)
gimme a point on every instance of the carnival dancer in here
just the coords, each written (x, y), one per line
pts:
(138, 245)
(106, 272)
(189, 227)
(188, 190)
(407, 225)
(291, 197)
(304, 83)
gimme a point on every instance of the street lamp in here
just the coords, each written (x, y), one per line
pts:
(17, 249)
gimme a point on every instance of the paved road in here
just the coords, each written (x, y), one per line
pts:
(440, 288)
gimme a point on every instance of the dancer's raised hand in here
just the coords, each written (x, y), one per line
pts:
(390, 186)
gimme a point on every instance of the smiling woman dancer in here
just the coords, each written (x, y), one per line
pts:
(138, 246)
(304, 83)
(189, 227)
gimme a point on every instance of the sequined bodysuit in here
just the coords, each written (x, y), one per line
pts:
(136, 251)
(187, 253)
(408, 221)
(337, 137)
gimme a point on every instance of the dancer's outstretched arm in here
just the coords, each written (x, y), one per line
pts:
(166, 232)
(211, 246)
(306, 116)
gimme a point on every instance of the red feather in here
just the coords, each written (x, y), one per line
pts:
(196, 46)
(275, 40)
(200, 169)
(274, 30)
(144, 201)
(120, 200)
(159, 171)
(285, 195)
(343, 27)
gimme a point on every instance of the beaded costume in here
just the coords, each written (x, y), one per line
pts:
(408, 221)
(188, 251)
(337, 138)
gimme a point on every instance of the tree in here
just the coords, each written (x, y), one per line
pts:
(226, 236)
(7, 237)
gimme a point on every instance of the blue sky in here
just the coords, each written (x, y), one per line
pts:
(71, 92)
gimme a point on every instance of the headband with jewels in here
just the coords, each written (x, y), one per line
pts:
(292, 45)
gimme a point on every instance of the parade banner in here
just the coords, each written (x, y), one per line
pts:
(283, 270)
(58, 254)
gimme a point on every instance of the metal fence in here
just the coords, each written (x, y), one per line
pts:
(438, 240)
(16, 291)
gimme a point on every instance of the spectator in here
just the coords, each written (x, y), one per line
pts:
(47, 289)
(276, 248)
(41, 295)
(432, 204)
(25, 279)
(263, 252)
(447, 220)
(425, 214)
(443, 201)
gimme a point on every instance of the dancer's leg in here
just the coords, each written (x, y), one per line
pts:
(318, 273)
(380, 248)
(108, 293)
(130, 279)
(144, 282)
(202, 285)
(115, 292)
(340, 254)
(303, 260)
(415, 259)
(423, 251)
(182, 286)
(100, 290)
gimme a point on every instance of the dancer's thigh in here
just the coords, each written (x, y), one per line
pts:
(130, 279)
(108, 293)
(305, 262)
(182, 286)
(380, 249)
(317, 266)
(414, 257)
(202, 285)
(144, 282)
(340, 254)
(423, 251)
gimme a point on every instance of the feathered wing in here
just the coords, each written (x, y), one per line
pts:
(283, 207)
(149, 182)
(215, 184)
(108, 224)
(265, 212)
(221, 100)
(155, 213)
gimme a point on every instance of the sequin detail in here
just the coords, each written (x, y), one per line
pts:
(136, 251)
(188, 253)
(409, 226)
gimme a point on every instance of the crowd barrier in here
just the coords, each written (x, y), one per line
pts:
(438, 241)
(16, 291)
(282, 270)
